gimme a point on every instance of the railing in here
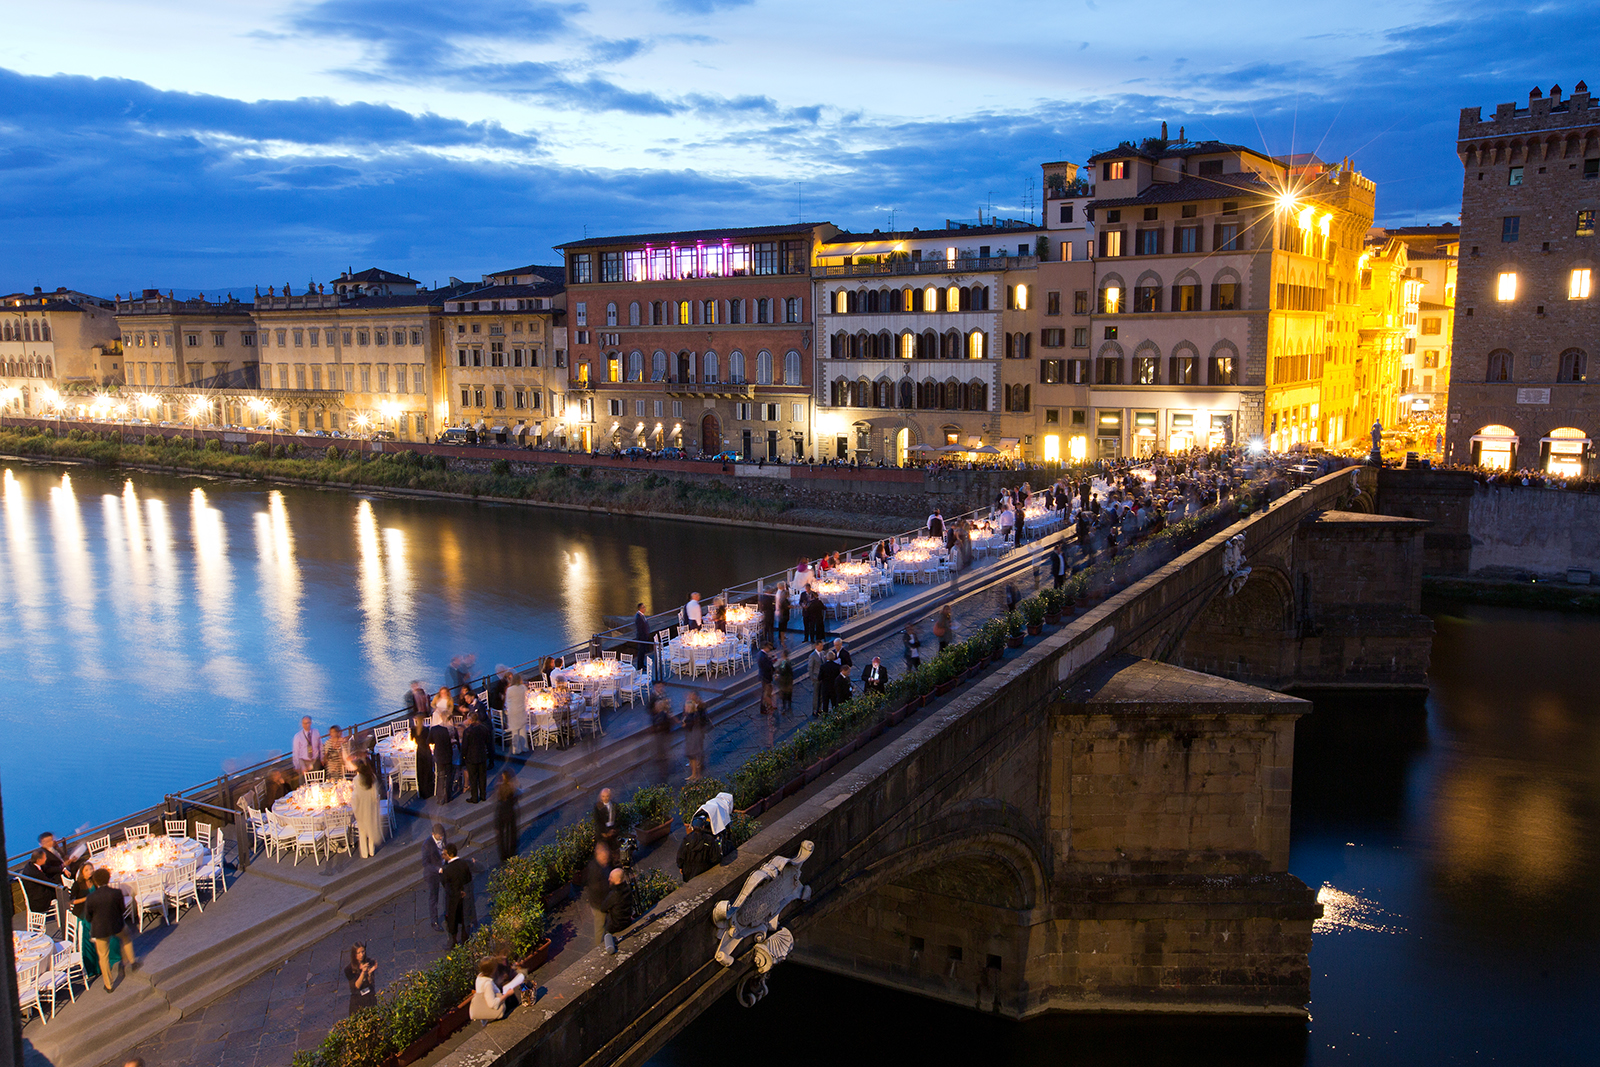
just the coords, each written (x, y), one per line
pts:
(927, 266)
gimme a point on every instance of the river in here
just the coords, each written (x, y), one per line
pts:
(160, 628)
(1456, 848)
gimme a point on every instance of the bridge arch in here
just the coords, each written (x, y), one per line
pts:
(1243, 636)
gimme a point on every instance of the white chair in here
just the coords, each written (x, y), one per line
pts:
(546, 731)
(212, 875)
(59, 976)
(149, 894)
(336, 829)
(312, 777)
(405, 772)
(280, 836)
(502, 732)
(308, 837)
(581, 657)
(176, 827)
(99, 845)
(28, 986)
(135, 833)
(74, 963)
(379, 733)
(36, 921)
(608, 655)
(181, 889)
(587, 721)
(386, 812)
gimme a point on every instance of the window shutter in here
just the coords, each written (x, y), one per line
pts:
(1026, 398)
(1215, 286)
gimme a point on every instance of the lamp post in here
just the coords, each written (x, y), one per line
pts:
(8, 396)
(197, 407)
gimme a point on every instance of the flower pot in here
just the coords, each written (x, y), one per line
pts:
(1014, 641)
(1035, 629)
(944, 687)
(756, 808)
(1053, 618)
(878, 728)
(651, 834)
(793, 787)
(537, 958)
(453, 1020)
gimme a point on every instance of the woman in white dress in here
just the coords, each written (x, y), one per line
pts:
(517, 713)
(365, 802)
(488, 1002)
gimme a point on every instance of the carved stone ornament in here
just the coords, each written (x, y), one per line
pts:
(758, 908)
(1233, 565)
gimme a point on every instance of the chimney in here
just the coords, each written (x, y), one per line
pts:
(1163, 131)
(1555, 94)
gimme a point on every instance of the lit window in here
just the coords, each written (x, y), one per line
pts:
(1578, 284)
(1507, 287)
(1113, 300)
(1022, 298)
(1515, 176)
(1585, 227)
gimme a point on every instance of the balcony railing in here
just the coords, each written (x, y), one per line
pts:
(734, 390)
(927, 266)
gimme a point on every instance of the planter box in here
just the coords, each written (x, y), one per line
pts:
(1053, 618)
(1035, 629)
(756, 808)
(557, 897)
(650, 835)
(792, 788)
(453, 1020)
(537, 958)
(1014, 642)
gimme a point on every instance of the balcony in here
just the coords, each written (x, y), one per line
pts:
(927, 266)
(726, 390)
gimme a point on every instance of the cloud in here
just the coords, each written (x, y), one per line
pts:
(703, 7)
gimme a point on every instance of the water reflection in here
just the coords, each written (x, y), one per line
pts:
(193, 621)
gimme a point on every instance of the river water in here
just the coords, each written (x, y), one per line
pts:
(159, 628)
(1456, 848)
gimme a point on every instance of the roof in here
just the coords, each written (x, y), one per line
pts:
(376, 274)
(1195, 187)
(1175, 149)
(32, 303)
(691, 235)
(1444, 229)
(556, 273)
(843, 238)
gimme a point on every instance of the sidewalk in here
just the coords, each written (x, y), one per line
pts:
(276, 1010)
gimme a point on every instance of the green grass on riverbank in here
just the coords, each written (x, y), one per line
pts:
(556, 484)
(1547, 596)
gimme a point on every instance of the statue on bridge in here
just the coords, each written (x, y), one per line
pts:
(758, 910)
(1376, 459)
(1234, 569)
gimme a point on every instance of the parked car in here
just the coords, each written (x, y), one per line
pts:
(458, 435)
(384, 435)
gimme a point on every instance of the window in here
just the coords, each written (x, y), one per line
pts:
(657, 409)
(611, 266)
(1066, 213)
(1052, 371)
(616, 407)
(1499, 366)
(1052, 338)
(736, 368)
(1226, 238)
(477, 396)
(1431, 326)
(1185, 298)
(1574, 365)
(1112, 172)
(763, 309)
(466, 397)
(735, 312)
(1221, 371)
(1147, 298)
(1506, 287)
(580, 313)
(1148, 243)
(1080, 337)
(658, 367)
(764, 257)
(1585, 227)
(1225, 296)
(791, 309)
(246, 339)
(1230, 207)
(1578, 284)
(1110, 370)
(1111, 300)
(741, 412)
(1111, 244)
(1052, 303)
(497, 354)
(763, 368)
(1080, 302)
(499, 398)
(1514, 176)
(1209, 166)
(1111, 333)
(677, 409)
(1591, 168)
(1078, 371)
(611, 311)
(1509, 227)
(1146, 371)
(791, 368)
(1181, 371)
(582, 269)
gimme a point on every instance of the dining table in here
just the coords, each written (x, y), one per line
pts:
(131, 860)
(30, 947)
(318, 798)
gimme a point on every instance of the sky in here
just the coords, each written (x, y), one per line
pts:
(186, 145)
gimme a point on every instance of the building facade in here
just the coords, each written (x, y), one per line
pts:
(503, 372)
(699, 340)
(1063, 318)
(1431, 254)
(1526, 309)
(172, 348)
(1222, 277)
(56, 341)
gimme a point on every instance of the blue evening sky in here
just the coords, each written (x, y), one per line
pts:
(181, 144)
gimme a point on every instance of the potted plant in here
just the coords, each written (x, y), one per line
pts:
(650, 809)
(1014, 628)
(1054, 601)
(1033, 612)
(696, 793)
(993, 639)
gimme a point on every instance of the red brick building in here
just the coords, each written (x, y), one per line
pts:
(700, 339)
(1526, 306)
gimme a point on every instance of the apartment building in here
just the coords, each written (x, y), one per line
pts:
(54, 341)
(1225, 280)
(1062, 318)
(699, 339)
(354, 363)
(1431, 255)
(504, 373)
(173, 350)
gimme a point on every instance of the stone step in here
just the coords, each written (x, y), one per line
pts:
(113, 1023)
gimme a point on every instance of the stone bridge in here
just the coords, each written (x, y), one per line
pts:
(1095, 825)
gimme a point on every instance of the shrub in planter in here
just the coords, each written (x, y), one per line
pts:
(1033, 611)
(333, 455)
(573, 847)
(649, 889)
(650, 806)
(759, 776)
(992, 637)
(740, 829)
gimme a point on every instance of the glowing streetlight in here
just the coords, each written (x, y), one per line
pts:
(8, 396)
(197, 408)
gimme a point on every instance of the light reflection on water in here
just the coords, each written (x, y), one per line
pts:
(1343, 912)
(176, 625)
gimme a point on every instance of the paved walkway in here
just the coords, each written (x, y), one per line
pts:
(292, 1006)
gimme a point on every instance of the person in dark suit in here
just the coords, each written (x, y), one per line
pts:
(766, 670)
(767, 604)
(605, 819)
(54, 864)
(1058, 566)
(36, 887)
(874, 676)
(643, 640)
(104, 909)
(457, 879)
(618, 906)
(419, 737)
(432, 868)
(476, 741)
(444, 767)
(827, 682)
(495, 695)
(815, 614)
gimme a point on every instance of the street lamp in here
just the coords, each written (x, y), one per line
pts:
(197, 407)
(8, 396)
(390, 410)
(53, 399)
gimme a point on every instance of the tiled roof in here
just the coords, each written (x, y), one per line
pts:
(376, 274)
(557, 273)
(843, 238)
(1193, 187)
(1174, 149)
(1444, 229)
(691, 235)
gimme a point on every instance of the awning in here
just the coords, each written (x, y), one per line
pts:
(1010, 442)
(482, 425)
(499, 429)
(1578, 444)
(1478, 438)
(519, 429)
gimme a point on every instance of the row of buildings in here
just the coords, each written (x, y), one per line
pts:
(1175, 294)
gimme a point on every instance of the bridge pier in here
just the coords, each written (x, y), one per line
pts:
(1164, 814)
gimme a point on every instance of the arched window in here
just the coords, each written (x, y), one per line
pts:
(883, 394)
(927, 345)
(736, 368)
(763, 367)
(977, 345)
(611, 314)
(791, 368)
(1499, 366)
(977, 396)
(965, 297)
(950, 395)
(1574, 366)
(711, 368)
(863, 394)
(635, 366)
(633, 313)
(908, 399)
(839, 301)
(908, 345)
(851, 304)
(927, 395)
(872, 301)
(658, 366)
(841, 393)
(884, 349)
(951, 346)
